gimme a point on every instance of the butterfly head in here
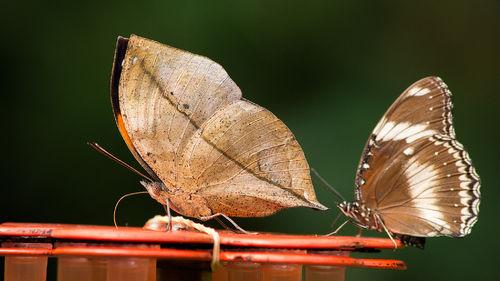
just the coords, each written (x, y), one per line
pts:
(156, 190)
(359, 214)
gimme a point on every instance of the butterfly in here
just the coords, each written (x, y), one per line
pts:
(208, 151)
(414, 179)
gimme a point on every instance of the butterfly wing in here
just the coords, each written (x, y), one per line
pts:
(162, 96)
(414, 172)
(246, 154)
(184, 119)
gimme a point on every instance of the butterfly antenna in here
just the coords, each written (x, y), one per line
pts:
(119, 200)
(330, 187)
(104, 152)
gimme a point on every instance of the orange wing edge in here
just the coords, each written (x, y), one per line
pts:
(120, 53)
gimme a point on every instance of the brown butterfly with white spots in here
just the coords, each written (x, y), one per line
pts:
(414, 179)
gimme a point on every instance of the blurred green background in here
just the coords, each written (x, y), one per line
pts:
(328, 69)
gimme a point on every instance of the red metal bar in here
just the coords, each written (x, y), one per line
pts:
(82, 240)
(139, 235)
(281, 257)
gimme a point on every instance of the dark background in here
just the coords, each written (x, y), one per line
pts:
(328, 69)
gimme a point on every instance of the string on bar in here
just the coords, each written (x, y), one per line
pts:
(159, 222)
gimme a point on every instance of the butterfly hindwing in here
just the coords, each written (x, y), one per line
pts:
(244, 152)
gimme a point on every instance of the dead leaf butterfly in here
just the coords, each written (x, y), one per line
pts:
(207, 149)
(414, 179)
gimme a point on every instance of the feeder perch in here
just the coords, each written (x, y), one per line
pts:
(105, 253)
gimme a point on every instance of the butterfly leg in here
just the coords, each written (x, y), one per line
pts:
(336, 219)
(387, 231)
(221, 222)
(338, 229)
(167, 210)
(360, 231)
(229, 220)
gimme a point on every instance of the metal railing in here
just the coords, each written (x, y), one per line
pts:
(107, 253)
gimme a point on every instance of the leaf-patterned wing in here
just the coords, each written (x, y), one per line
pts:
(164, 95)
(245, 162)
(185, 121)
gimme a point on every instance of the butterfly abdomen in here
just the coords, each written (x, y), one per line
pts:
(414, 241)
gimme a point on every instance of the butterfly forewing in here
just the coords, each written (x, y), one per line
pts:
(423, 108)
(165, 94)
(413, 172)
